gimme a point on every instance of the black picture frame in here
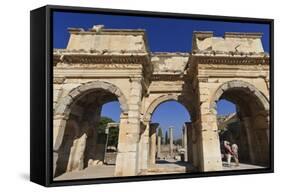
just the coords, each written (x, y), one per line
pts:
(41, 56)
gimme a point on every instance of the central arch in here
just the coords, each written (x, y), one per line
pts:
(151, 130)
(161, 99)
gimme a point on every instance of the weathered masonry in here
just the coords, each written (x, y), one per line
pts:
(103, 65)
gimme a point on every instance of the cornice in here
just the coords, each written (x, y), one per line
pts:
(231, 60)
(101, 59)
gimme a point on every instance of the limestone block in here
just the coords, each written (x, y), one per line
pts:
(231, 43)
(126, 164)
(56, 94)
(127, 147)
(169, 62)
(133, 114)
(74, 93)
(133, 121)
(63, 105)
(89, 86)
(134, 100)
(67, 87)
(92, 162)
(58, 131)
(76, 157)
(134, 107)
(135, 92)
(136, 83)
(105, 42)
(55, 158)
(111, 89)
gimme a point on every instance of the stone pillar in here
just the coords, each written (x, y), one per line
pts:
(152, 143)
(209, 143)
(186, 149)
(127, 162)
(55, 158)
(171, 140)
(192, 131)
(191, 147)
(268, 127)
(144, 146)
(182, 137)
(59, 124)
(247, 126)
(76, 157)
(159, 146)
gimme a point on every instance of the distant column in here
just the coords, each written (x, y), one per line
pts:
(159, 146)
(152, 143)
(185, 142)
(171, 140)
(190, 146)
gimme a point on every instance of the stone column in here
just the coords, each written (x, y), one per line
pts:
(144, 146)
(159, 146)
(247, 126)
(55, 158)
(59, 124)
(127, 162)
(171, 140)
(209, 143)
(152, 143)
(268, 127)
(182, 137)
(190, 145)
(186, 149)
(193, 143)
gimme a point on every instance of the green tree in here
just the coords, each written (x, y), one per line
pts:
(166, 138)
(178, 142)
(113, 132)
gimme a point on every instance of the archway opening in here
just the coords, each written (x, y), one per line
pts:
(242, 121)
(170, 118)
(89, 144)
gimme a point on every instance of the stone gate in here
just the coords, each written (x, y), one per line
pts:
(102, 65)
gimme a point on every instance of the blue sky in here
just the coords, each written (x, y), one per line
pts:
(164, 34)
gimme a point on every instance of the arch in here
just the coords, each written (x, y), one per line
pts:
(63, 105)
(253, 107)
(163, 98)
(238, 84)
(156, 102)
(63, 109)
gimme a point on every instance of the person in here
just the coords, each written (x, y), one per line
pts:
(228, 152)
(234, 148)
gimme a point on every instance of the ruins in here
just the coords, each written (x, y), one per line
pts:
(101, 65)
